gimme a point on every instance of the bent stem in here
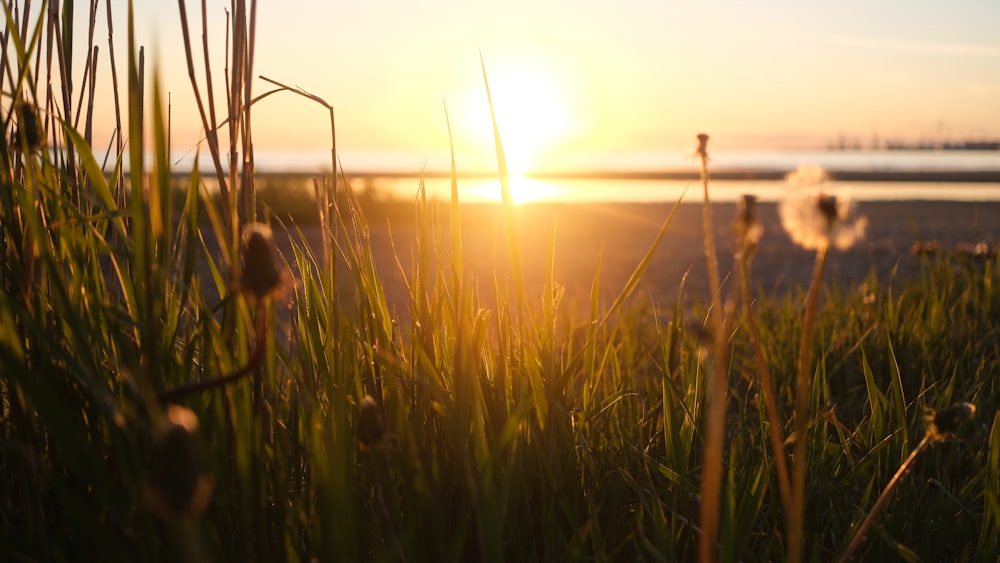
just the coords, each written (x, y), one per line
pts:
(256, 357)
(883, 499)
(803, 393)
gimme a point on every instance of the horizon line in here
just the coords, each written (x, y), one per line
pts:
(724, 174)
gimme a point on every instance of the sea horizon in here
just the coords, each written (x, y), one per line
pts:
(652, 176)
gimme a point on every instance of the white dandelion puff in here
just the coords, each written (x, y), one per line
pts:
(815, 219)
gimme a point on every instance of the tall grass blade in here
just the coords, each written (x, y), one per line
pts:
(509, 209)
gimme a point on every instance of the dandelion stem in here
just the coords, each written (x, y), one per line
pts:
(883, 499)
(764, 373)
(711, 479)
(803, 394)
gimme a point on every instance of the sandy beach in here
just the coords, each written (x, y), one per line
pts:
(619, 235)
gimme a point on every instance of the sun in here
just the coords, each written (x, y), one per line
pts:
(532, 113)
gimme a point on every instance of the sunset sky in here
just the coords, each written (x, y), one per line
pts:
(586, 77)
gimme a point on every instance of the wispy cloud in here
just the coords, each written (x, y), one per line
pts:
(917, 46)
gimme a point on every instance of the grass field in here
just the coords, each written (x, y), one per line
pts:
(171, 390)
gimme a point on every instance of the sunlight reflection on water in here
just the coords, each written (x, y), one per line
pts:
(580, 191)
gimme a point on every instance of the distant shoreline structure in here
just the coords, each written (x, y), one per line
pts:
(853, 145)
(959, 146)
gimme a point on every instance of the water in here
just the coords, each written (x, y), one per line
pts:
(397, 175)
(637, 191)
(414, 162)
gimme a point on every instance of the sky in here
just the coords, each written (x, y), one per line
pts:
(575, 79)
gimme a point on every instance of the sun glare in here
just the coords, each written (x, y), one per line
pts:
(522, 190)
(531, 114)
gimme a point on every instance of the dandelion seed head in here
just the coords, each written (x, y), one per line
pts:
(370, 426)
(806, 176)
(702, 337)
(260, 275)
(814, 219)
(868, 294)
(178, 487)
(702, 150)
(748, 226)
(28, 129)
(945, 422)
(183, 417)
(828, 207)
(925, 249)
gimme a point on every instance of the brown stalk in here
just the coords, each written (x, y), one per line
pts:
(24, 22)
(207, 119)
(883, 499)
(333, 143)
(88, 122)
(66, 90)
(249, 193)
(120, 191)
(4, 66)
(89, 65)
(234, 110)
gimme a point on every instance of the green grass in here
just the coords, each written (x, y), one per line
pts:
(513, 431)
